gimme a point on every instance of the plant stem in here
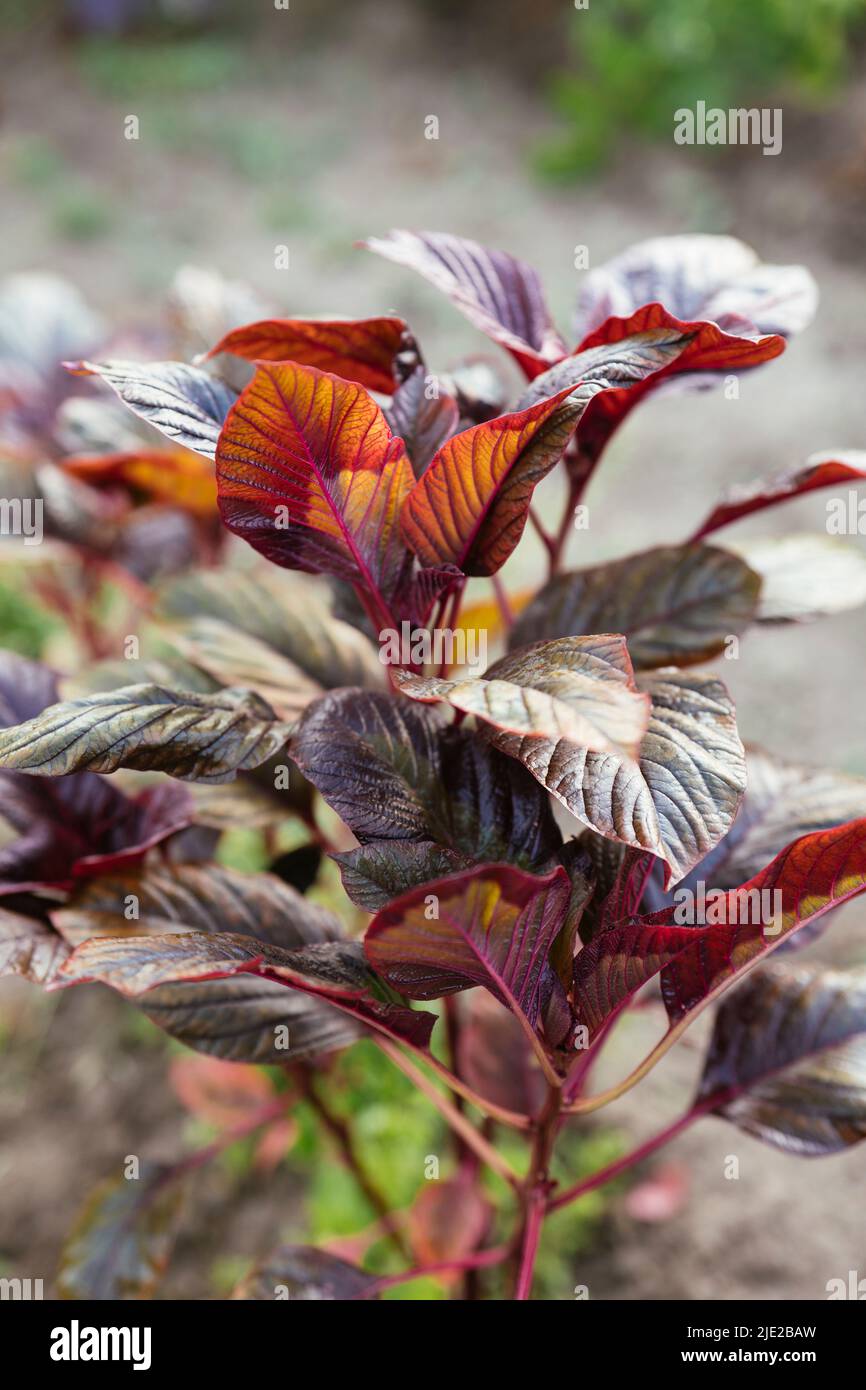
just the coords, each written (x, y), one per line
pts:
(482, 1259)
(488, 1108)
(547, 540)
(536, 1190)
(458, 1122)
(533, 1222)
(557, 547)
(506, 612)
(341, 1133)
(613, 1170)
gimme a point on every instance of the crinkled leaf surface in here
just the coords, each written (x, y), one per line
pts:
(682, 793)
(676, 604)
(335, 971)
(161, 900)
(394, 772)
(498, 293)
(82, 824)
(193, 737)
(572, 690)
(247, 1019)
(184, 403)
(783, 801)
(788, 1058)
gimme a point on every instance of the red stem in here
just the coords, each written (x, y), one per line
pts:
(613, 1170)
(506, 612)
(531, 1236)
(482, 1259)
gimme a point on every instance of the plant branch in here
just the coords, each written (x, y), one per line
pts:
(503, 603)
(458, 1122)
(342, 1134)
(536, 1191)
(487, 1107)
(621, 1165)
(547, 540)
(481, 1259)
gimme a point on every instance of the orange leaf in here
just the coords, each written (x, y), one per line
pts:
(169, 475)
(309, 474)
(470, 507)
(361, 350)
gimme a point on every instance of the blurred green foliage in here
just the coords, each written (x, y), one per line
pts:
(25, 626)
(147, 67)
(637, 62)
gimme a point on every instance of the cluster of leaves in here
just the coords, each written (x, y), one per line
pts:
(516, 832)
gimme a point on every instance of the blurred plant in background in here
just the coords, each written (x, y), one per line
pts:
(636, 63)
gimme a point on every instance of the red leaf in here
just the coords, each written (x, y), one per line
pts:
(820, 471)
(361, 350)
(223, 1093)
(175, 475)
(493, 926)
(709, 349)
(811, 876)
